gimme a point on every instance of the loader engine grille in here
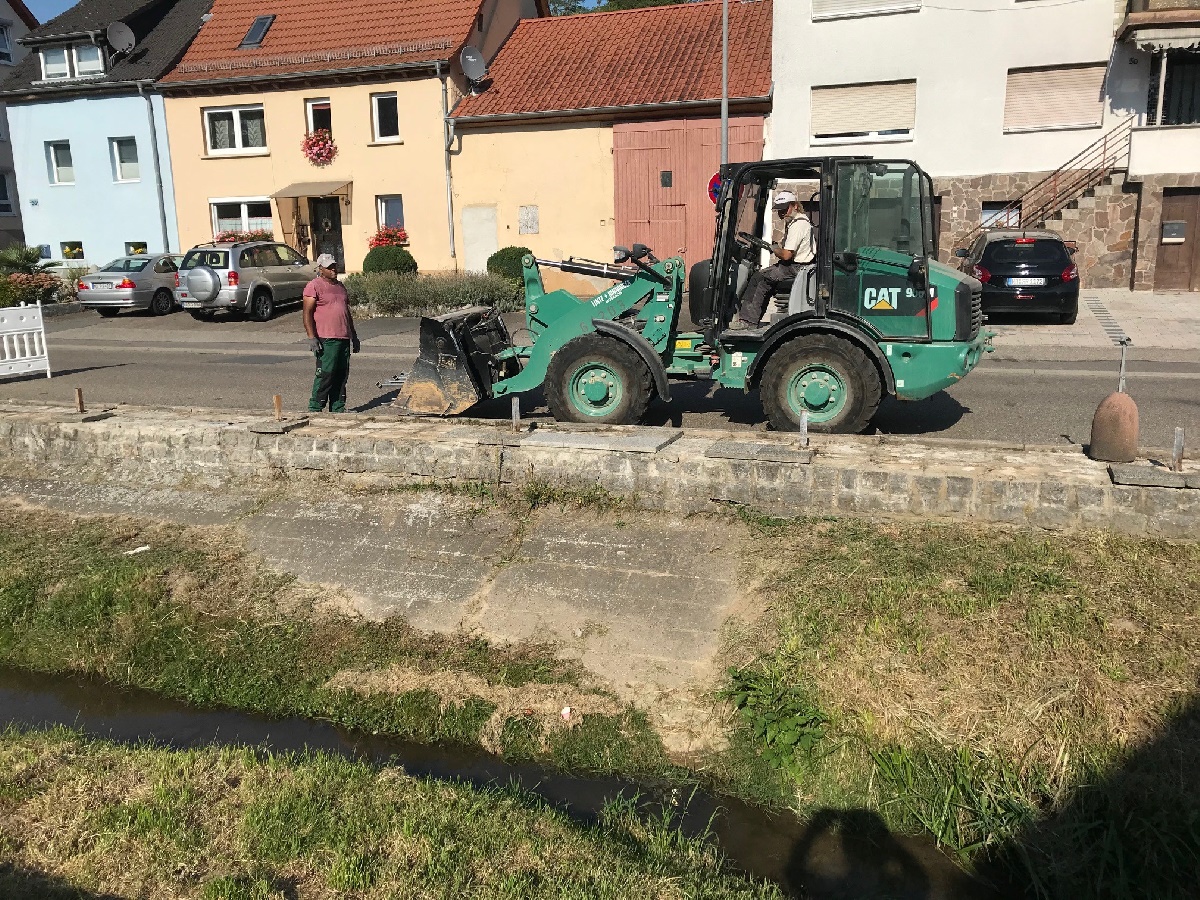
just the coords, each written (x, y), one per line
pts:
(968, 310)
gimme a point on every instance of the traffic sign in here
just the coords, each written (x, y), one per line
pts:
(714, 187)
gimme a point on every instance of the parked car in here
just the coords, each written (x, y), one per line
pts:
(132, 282)
(254, 277)
(1024, 271)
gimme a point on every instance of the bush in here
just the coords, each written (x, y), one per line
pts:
(389, 258)
(507, 262)
(392, 294)
(18, 260)
(21, 288)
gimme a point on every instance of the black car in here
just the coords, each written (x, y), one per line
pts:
(1024, 271)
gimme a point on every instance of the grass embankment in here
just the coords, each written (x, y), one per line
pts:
(1028, 699)
(79, 816)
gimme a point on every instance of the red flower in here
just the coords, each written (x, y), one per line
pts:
(389, 236)
(318, 147)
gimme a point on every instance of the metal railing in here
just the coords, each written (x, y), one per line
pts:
(1066, 184)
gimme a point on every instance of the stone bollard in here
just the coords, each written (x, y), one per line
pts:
(1115, 425)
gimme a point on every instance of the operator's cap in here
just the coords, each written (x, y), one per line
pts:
(783, 198)
(326, 261)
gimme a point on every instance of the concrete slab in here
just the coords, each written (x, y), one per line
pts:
(648, 440)
(488, 436)
(1147, 476)
(77, 417)
(119, 499)
(756, 451)
(283, 426)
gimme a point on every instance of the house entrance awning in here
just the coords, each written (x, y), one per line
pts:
(1154, 39)
(311, 189)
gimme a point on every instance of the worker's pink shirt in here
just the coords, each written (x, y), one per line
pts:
(332, 315)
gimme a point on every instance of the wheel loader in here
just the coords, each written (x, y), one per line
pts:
(875, 315)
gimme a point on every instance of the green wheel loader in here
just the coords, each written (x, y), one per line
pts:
(874, 315)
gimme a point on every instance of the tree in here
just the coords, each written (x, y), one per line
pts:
(571, 7)
(566, 7)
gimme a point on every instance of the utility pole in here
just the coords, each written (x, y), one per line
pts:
(724, 82)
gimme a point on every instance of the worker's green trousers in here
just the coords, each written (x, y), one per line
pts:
(333, 369)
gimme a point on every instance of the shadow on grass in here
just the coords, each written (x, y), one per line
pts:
(24, 884)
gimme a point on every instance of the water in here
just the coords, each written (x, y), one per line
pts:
(837, 854)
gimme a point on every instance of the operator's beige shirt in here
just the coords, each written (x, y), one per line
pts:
(798, 237)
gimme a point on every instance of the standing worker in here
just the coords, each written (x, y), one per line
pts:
(331, 335)
(797, 249)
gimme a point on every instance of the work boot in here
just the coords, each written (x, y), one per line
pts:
(741, 325)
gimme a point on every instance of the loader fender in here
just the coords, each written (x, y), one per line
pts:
(644, 349)
(807, 323)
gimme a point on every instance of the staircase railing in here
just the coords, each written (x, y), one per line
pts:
(1082, 172)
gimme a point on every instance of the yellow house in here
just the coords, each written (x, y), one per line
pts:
(258, 79)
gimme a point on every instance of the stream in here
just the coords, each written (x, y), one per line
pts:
(835, 854)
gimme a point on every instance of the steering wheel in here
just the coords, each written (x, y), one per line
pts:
(749, 240)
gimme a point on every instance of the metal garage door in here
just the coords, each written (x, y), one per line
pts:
(661, 175)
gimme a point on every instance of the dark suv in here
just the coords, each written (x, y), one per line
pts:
(1024, 271)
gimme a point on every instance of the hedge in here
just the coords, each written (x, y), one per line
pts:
(389, 259)
(390, 294)
(507, 262)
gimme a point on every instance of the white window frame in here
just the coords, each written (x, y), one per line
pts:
(6, 54)
(308, 111)
(236, 150)
(46, 76)
(79, 73)
(116, 160)
(892, 136)
(379, 201)
(883, 9)
(244, 201)
(73, 72)
(389, 139)
(53, 160)
(9, 183)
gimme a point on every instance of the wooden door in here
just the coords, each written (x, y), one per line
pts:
(1177, 267)
(661, 174)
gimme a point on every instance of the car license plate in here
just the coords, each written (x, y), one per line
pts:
(190, 304)
(102, 285)
(1026, 282)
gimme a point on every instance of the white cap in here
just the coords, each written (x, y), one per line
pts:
(326, 261)
(783, 198)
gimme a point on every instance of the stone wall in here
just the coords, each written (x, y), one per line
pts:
(1149, 222)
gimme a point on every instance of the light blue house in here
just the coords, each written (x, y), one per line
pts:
(89, 135)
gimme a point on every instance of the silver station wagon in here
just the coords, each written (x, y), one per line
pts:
(252, 277)
(132, 282)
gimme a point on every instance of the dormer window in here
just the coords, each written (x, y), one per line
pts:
(257, 33)
(74, 61)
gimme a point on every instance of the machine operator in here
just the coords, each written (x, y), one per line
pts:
(796, 250)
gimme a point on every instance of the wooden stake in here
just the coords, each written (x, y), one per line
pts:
(79, 400)
(278, 400)
(1177, 455)
(804, 429)
(516, 413)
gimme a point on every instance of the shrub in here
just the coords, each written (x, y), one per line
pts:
(389, 258)
(389, 236)
(507, 262)
(392, 294)
(18, 260)
(240, 236)
(22, 288)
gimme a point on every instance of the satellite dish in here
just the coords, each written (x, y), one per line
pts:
(120, 37)
(473, 64)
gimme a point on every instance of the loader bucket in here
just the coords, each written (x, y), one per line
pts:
(452, 372)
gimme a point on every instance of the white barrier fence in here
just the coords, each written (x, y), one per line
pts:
(23, 341)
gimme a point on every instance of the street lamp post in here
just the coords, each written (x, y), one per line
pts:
(724, 82)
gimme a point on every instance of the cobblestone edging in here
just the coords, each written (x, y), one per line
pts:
(664, 469)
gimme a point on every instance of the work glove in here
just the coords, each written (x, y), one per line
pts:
(315, 345)
(355, 346)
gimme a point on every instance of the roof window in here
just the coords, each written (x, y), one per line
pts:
(258, 31)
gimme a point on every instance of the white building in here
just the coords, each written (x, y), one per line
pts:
(16, 21)
(1050, 104)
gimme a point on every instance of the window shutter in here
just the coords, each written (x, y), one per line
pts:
(1054, 97)
(838, 9)
(864, 108)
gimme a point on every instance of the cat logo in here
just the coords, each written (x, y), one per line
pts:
(881, 298)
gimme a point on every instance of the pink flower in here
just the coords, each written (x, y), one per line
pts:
(318, 147)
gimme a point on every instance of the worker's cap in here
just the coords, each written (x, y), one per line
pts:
(783, 198)
(326, 261)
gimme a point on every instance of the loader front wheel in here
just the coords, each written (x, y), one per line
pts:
(830, 379)
(597, 379)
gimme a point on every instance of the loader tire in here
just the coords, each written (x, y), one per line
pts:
(597, 379)
(831, 379)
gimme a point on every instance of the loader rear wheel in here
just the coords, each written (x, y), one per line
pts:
(827, 377)
(597, 379)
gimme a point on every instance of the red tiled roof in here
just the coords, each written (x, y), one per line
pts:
(322, 35)
(658, 54)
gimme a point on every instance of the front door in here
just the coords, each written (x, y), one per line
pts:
(1177, 267)
(326, 227)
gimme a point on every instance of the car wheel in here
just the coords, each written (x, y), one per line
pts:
(162, 303)
(262, 307)
(830, 379)
(107, 313)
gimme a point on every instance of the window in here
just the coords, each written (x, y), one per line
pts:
(137, 248)
(997, 214)
(124, 159)
(257, 33)
(854, 113)
(320, 116)
(386, 116)
(290, 256)
(391, 211)
(126, 265)
(842, 9)
(5, 45)
(241, 214)
(72, 249)
(62, 168)
(239, 129)
(1179, 86)
(1054, 97)
(75, 61)
(167, 264)
(6, 203)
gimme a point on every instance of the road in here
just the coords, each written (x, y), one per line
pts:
(1029, 391)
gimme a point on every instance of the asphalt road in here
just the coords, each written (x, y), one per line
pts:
(176, 361)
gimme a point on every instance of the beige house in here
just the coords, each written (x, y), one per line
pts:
(242, 100)
(16, 21)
